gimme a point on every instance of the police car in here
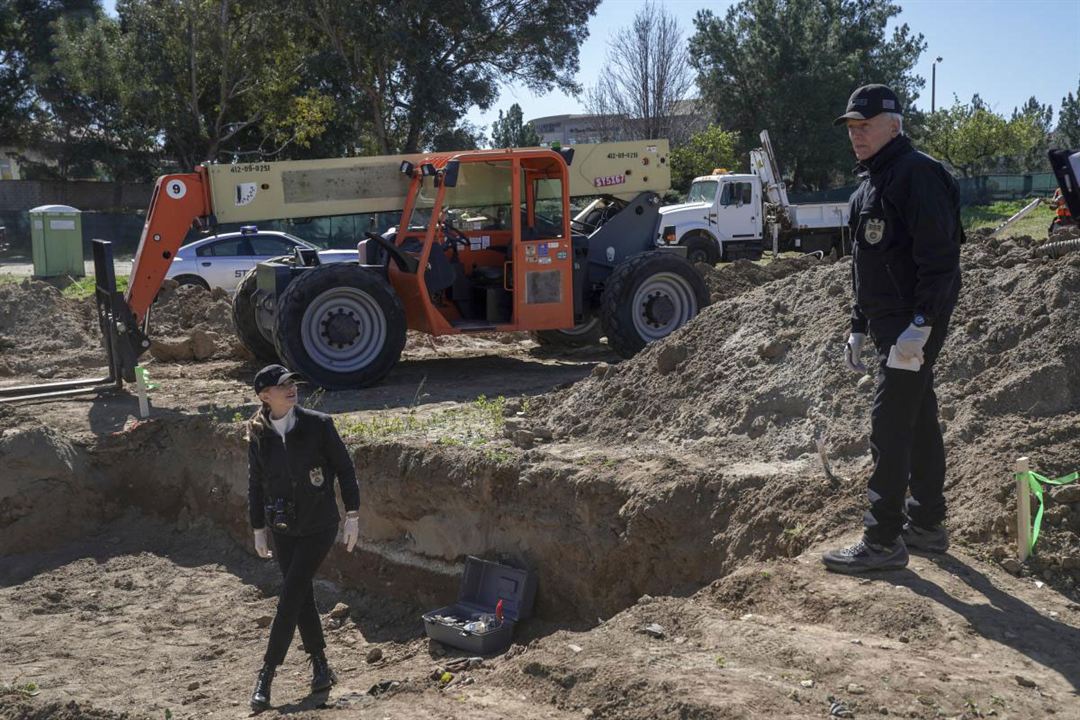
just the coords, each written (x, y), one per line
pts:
(220, 261)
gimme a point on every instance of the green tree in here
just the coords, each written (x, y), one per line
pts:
(1040, 119)
(213, 79)
(1067, 134)
(705, 151)
(418, 66)
(974, 139)
(789, 66)
(511, 130)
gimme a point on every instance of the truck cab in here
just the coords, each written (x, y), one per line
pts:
(720, 220)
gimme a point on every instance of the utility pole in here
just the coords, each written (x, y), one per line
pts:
(933, 84)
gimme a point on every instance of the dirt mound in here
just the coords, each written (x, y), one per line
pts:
(20, 706)
(44, 469)
(728, 281)
(761, 376)
(45, 334)
(190, 323)
(1069, 232)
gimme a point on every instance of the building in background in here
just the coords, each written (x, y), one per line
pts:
(689, 117)
(570, 129)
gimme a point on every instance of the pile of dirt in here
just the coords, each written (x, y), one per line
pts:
(44, 334)
(1069, 232)
(728, 281)
(22, 706)
(761, 376)
(190, 323)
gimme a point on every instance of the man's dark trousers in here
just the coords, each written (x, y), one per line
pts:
(299, 559)
(905, 437)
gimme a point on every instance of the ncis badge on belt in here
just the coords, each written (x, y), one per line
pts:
(875, 231)
(316, 477)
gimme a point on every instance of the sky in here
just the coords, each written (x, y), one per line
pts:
(1005, 50)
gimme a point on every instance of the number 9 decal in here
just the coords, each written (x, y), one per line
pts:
(176, 189)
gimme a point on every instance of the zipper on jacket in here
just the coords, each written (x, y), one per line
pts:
(892, 278)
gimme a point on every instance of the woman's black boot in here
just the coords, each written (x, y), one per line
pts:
(322, 677)
(260, 699)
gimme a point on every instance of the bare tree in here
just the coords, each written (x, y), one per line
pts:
(644, 90)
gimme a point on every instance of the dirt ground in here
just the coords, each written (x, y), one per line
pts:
(681, 489)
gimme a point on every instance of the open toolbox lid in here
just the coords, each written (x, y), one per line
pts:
(484, 583)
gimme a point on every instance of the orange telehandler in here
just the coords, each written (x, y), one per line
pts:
(486, 243)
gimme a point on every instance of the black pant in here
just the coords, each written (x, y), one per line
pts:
(905, 438)
(299, 558)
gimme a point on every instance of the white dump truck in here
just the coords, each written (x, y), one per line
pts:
(728, 216)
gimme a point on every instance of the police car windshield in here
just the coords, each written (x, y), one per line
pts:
(703, 191)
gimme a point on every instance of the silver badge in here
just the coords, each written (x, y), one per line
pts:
(875, 231)
(317, 477)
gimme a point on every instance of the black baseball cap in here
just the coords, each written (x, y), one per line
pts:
(868, 101)
(273, 375)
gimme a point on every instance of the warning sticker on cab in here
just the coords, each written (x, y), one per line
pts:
(609, 180)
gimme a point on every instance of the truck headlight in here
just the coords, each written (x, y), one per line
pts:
(669, 234)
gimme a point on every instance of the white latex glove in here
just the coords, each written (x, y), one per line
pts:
(352, 531)
(910, 344)
(853, 352)
(262, 545)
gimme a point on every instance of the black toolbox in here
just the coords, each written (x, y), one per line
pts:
(483, 585)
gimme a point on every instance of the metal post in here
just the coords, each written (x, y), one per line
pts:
(933, 85)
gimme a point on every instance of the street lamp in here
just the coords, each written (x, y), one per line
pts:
(933, 84)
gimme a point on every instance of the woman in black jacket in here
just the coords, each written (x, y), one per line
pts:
(294, 456)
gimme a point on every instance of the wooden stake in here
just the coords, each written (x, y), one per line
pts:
(144, 402)
(1023, 510)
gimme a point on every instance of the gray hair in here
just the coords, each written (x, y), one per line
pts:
(899, 120)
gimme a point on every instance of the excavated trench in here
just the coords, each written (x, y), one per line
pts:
(599, 530)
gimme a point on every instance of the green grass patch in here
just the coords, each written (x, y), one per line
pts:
(472, 424)
(1034, 223)
(84, 287)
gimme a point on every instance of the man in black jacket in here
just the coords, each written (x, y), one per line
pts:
(294, 457)
(905, 220)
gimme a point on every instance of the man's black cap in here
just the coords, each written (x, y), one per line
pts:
(868, 101)
(273, 375)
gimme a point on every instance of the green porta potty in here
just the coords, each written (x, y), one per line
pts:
(56, 238)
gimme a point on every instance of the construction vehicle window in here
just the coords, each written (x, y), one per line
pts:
(481, 198)
(703, 191)
(549, 207)
(747, 192)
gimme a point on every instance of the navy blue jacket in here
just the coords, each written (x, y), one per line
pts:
(905, 218)
(301, 471)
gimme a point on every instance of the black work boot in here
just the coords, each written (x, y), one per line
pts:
(865, 555)
(931, 540)
(260, 699)
(322, 677)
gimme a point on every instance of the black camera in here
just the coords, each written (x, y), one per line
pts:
(279, 514)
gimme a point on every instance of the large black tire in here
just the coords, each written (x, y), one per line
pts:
(247, 328)
(340, 326)
(586, 334)
(701, 248)
(648, 297)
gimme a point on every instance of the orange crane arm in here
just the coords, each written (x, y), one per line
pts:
(178, 202)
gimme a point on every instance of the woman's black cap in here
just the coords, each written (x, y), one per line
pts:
(273, 375)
